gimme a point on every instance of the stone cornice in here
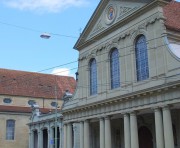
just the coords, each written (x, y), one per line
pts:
(126, 97)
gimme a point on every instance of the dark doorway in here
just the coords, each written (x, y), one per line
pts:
(45, 138)
(95, 135)
(35, 139)
(145, 138)
(58, 137)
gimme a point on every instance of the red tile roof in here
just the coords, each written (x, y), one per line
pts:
(172, 14)
(20, 83)
(18, 109)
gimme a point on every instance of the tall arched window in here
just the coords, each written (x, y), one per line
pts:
(142, 68)
(10, 129)
(114, 67)
(93, 77)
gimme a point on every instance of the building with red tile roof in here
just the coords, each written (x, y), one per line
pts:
(172, 15)
(19, 90)
(38, 85)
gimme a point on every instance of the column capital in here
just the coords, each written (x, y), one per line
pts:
(81, 121)
(86, 121)
(125, 114)
(165, 107)
(66, 123)
(156, 108)
(107, 117)
(101, 118)
(133, 113)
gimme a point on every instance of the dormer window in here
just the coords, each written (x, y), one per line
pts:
(7, 100)
(31, 102)
(54, 104)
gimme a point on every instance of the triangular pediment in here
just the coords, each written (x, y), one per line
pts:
(107, 14)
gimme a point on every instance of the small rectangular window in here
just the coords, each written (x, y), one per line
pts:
(10, 129)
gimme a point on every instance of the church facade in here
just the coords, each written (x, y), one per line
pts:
(128, 91)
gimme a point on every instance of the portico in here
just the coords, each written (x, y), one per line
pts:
(42, 131)
(130, 130)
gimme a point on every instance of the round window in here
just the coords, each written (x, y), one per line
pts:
(54, 104)
(7, 100)
(31, 102)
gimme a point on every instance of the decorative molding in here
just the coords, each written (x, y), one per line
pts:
(134, 31)
(115, 106)
(125, 11)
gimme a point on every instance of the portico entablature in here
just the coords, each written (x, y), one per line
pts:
(161, 96)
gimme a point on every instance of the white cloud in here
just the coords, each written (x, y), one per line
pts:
(44, 5)
(62, 72)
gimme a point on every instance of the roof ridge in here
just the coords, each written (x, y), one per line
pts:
(32, 72)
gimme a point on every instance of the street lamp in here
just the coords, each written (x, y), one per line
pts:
(45, 36)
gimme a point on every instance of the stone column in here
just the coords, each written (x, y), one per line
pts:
(134, 130)
(61, 136)
(30, 138)
(49, 138)
(81, 134)
(159, 128)
(65, 136)
(108, 140)
(86, 134)
(69, 136)
(102, 138)
(127, 136)
(168, 130)
(40, 138)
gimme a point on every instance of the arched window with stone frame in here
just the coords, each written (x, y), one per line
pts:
(114, 68)
(93, 76)
(10, 129)
(141, 55)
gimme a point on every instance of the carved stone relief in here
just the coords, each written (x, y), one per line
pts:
(124, 11)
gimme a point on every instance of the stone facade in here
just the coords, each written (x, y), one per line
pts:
(42, 130)
(138, 109)
(21, 119)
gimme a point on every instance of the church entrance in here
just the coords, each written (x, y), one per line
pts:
(95, 135)
(145, 138)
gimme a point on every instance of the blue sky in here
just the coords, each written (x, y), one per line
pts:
(23, 49)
